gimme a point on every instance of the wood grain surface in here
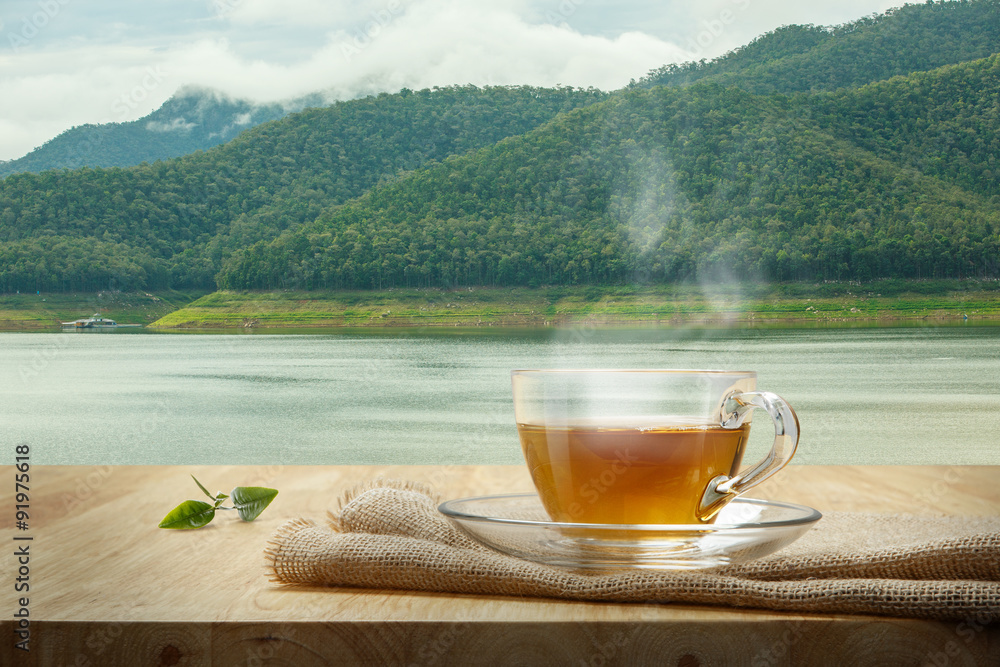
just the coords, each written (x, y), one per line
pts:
(107, 587)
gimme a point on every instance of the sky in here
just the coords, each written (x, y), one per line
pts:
(69, 62)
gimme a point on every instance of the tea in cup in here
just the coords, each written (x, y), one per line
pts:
(644, 446)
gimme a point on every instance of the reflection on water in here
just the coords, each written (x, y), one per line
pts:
(864, 395)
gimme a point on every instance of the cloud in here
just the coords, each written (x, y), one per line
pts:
(751, 18)
(367, 47)
(239, 120)
(176, 125)
(274, 50)
(293, 12)
(432, 43)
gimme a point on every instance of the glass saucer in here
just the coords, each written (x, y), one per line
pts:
(517, 525)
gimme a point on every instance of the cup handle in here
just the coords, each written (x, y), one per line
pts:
(735, 409)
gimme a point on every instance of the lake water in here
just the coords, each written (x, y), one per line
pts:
(863, 396)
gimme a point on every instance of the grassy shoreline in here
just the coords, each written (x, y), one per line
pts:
(45, 311)
(790, 304)
(559, 306)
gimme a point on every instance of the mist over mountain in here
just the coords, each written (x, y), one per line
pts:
(193, 119)
(857, 152)
(172, 222)
(901, 41)
(702, 183)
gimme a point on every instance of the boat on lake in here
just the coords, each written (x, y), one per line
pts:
(95, 321)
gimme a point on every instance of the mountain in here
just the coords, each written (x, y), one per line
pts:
(172, 222)
(901, 41)
(942, 123)
(193, 119)
(694, 180)
(668, 184)
(792, 58)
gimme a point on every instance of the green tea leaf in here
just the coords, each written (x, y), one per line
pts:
(250, 501)
(202, 487)
(189, 514)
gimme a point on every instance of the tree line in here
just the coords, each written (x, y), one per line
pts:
(173, 221)
(698, 172)
(666, 185)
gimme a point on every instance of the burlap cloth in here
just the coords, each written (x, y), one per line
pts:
(390, 535)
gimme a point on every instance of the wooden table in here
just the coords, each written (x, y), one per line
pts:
(107, 587)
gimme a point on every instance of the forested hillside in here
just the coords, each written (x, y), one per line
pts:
(908, 39)
(943, 123)
(170, 223)
(681, 184)
(191, 120)
(710, 176)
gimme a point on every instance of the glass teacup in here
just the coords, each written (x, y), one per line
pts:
(644, 446)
